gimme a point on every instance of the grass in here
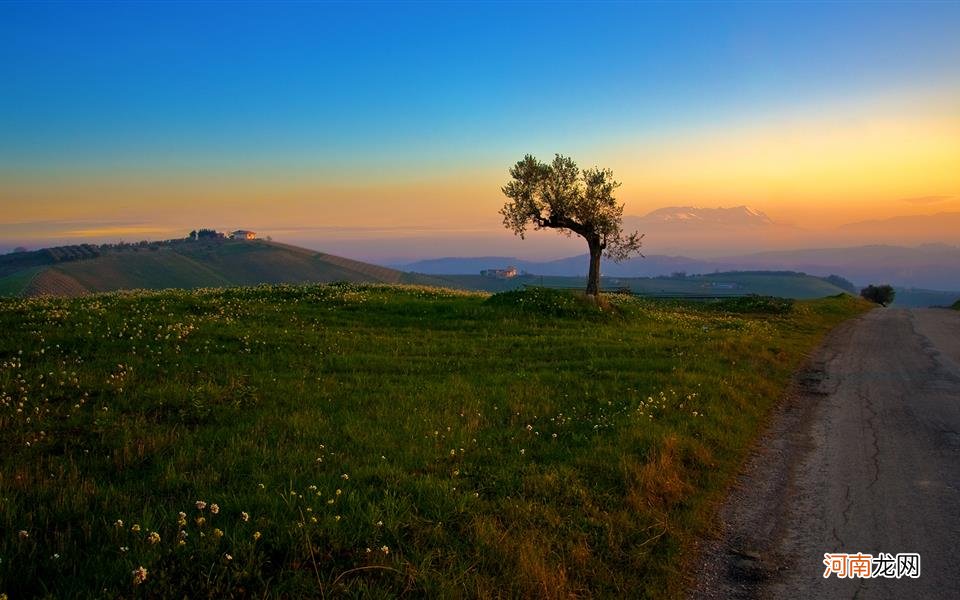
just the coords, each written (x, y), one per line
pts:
(956, 305)
(376, 441)
(14, 284)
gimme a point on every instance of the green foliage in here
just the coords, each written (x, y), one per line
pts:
(878, 294)
(374, 441)
(956, 305)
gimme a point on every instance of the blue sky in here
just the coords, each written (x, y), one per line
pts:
(102, 84)
(353, 93)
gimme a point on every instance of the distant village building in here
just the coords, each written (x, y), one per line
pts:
(507, 273)
(724, 285)
(243, 234)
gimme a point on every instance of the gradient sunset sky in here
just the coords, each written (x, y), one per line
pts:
(391, 126)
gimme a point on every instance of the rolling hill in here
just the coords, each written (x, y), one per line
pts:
(763, 283)
(78, 270)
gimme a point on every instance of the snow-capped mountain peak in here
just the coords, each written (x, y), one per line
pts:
(735, 215)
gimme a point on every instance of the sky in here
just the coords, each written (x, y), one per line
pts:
(385, 130)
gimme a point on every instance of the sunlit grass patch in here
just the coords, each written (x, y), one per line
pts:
(373, 440)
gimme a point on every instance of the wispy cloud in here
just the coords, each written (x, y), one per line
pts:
(114, 231)
(926, 199)
(45, 230)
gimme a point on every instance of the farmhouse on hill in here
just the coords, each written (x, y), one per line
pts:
(243, 234)
(508, 273)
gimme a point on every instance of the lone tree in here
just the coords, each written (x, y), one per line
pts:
(881, 294)
(562, 196)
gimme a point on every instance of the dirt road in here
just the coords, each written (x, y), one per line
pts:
(863, 457)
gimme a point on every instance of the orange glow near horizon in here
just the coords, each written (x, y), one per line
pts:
(815, 172)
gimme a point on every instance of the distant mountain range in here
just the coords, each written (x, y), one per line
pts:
(736, 216)
(932, 266)
(896, 250)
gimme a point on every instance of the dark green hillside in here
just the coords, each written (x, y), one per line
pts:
(373, 441)
(75, 270)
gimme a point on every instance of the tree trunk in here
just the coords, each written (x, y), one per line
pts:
(593, 279)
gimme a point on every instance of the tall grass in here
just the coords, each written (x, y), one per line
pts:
(374, 441)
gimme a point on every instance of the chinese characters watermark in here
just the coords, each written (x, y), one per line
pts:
(866, 566)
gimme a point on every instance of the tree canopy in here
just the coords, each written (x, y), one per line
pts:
(562, 196)
(881, 294)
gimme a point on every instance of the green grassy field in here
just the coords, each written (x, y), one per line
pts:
(377, 441)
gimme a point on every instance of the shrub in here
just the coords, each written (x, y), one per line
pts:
(881, 294)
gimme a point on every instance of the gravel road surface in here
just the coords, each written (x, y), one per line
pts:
(864, 456)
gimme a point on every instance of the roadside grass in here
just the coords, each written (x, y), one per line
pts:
(376, 441)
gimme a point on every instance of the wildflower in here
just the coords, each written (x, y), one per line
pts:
(124, 548)
(214, 508)
(336, 518)
(201, 505)
(217, 533)
(200, 521)
(23, 534)
(256, 535)
(529, 427)
(139, 575)
(339, 491)
(244, 517)
(523, 451)
(379, 523)
(344, 476)
(118, 524)
(227, 557)
(369, 551)
(261, 486)
(154, 537)
(135, 528)
(182, 519)
(385, 549)
(55, 556)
